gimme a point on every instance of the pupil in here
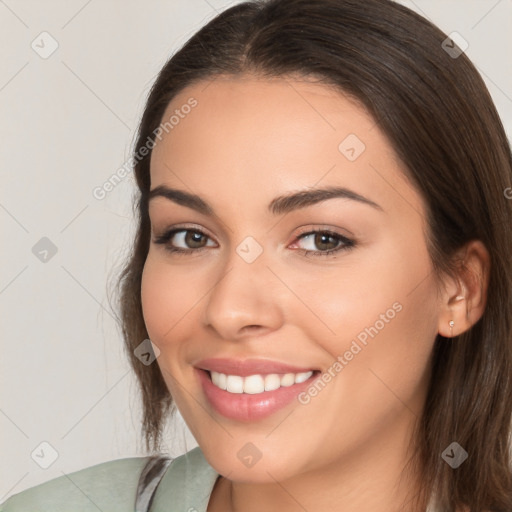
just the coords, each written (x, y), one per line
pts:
(193, 237)
(320, 240)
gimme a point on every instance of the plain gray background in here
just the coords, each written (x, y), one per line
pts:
(67, 124)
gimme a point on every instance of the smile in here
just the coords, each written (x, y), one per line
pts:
(252, 397)
(254, 384)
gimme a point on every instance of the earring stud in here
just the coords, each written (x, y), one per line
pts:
(451, 323)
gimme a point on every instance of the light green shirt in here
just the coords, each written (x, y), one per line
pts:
(111, 486)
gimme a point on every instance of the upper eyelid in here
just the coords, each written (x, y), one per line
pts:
(178, 227)
(303, 229)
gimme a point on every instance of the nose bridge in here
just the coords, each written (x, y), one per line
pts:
(242, 294)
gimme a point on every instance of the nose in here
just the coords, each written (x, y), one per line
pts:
(244, 300)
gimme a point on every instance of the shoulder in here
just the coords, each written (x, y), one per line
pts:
(187, 483)
(97, 487)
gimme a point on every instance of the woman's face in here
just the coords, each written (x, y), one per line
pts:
(259, 285)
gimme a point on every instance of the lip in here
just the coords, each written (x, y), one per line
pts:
(246, 367)
(246, 407)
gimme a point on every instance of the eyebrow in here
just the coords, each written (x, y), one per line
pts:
(279, 205)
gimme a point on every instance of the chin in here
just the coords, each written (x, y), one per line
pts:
(247, 464)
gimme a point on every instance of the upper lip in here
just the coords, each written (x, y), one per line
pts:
(245, 367)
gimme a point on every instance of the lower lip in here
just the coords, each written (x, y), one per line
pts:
(247, 407)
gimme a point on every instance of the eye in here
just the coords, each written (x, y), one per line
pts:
(329, 242)
(192, 239)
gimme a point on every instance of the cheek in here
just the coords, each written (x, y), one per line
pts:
(354, 294)
(382, 313)
(167, 295)
(385, 300)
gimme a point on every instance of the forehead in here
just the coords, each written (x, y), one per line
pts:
(270, 135)
(288, 110)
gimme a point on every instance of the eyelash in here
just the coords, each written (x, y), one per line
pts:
(345, 243)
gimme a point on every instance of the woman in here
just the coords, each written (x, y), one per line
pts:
(322, 267)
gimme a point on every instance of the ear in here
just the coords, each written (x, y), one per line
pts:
(465, 294)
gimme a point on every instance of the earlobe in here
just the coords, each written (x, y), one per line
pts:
(465, 295)
(453, 319)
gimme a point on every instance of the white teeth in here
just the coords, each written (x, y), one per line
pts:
(288, 380)
(272, 381)
(301, 377)
(235, 384)
(220, 380)
(254, 384)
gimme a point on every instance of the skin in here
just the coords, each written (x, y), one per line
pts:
(247, 141)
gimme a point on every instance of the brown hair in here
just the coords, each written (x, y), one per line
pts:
(442, 123)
